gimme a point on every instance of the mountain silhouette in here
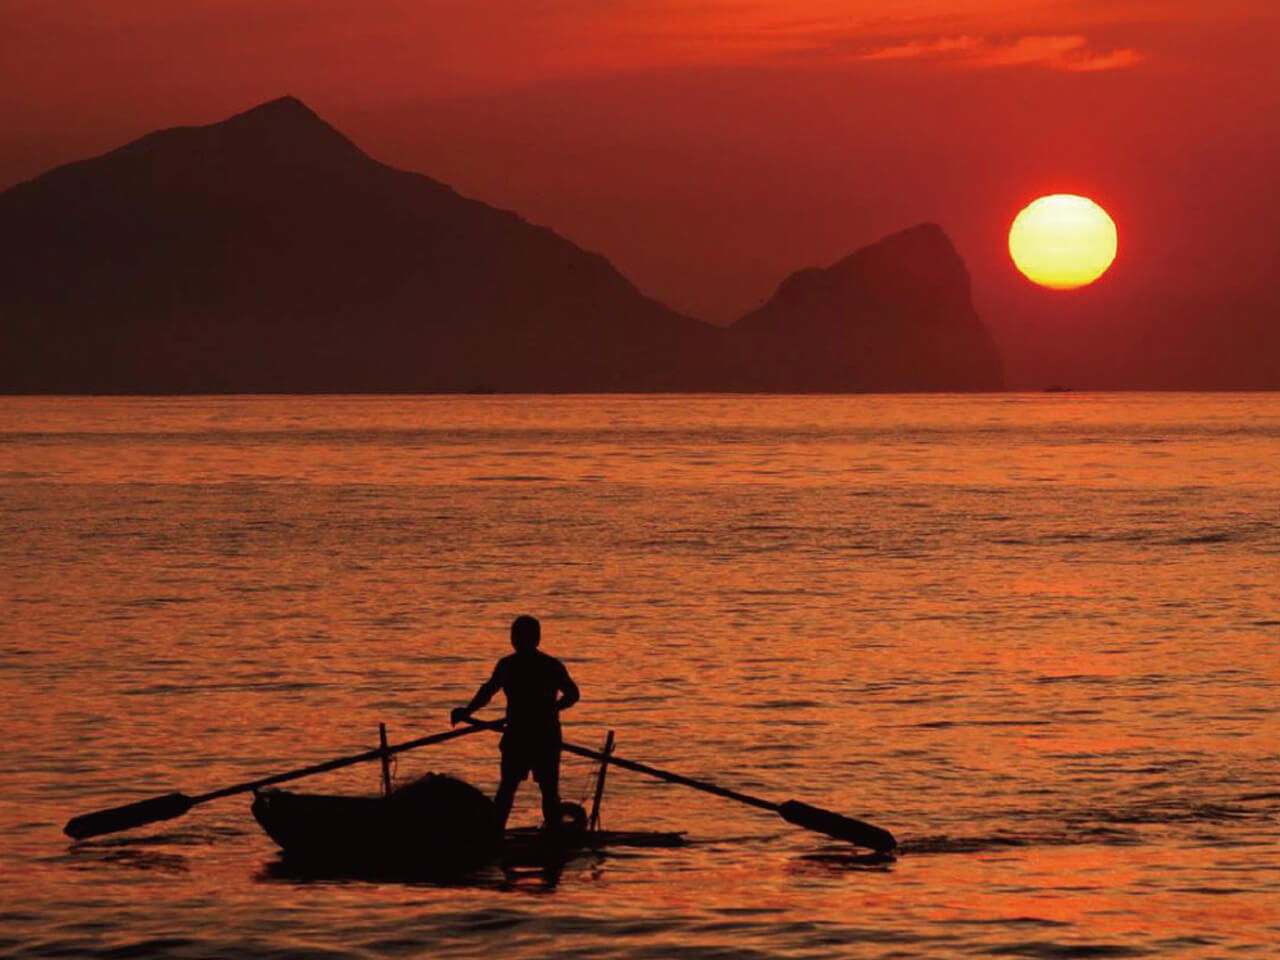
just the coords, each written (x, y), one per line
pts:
(268, 253)
(897, 315)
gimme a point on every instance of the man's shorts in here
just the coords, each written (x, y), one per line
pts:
(542, 760)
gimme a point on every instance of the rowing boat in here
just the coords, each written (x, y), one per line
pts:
(436, 825)
(443, 824)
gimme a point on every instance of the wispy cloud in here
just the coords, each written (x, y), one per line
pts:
(1070, 52)
(916, 49)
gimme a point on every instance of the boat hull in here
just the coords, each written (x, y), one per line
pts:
(436, 827)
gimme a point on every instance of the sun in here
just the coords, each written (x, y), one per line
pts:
(1063, 241)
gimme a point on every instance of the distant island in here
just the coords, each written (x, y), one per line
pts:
(269, 254)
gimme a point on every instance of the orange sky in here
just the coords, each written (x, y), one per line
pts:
(710, 147)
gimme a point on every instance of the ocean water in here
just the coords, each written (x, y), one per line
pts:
(1037, 637)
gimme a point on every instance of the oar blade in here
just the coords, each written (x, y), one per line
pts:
(838, 826)
(128, 816)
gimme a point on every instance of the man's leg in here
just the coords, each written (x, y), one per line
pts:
(503, 800)
(548, 776)
(513, 771)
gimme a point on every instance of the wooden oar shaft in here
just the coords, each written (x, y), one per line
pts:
(804, 815)
(341, 762)
(670, 777)
(173, 805)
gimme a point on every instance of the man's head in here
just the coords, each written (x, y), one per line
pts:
(526, 633)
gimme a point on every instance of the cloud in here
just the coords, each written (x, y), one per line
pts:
(916, 49)
(1120, 59)
(1070, 52)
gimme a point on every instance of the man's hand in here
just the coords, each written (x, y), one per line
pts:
(457, 715)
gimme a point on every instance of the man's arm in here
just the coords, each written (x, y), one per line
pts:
(483, 696)
(569, 689)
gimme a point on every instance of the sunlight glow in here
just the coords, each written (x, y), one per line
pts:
(1063, 241)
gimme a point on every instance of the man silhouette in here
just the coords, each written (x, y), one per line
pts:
(532, 681)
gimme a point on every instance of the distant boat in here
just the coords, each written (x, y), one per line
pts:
(1057, 388)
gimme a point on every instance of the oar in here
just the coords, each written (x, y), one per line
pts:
(172, 805)
(804, 815)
